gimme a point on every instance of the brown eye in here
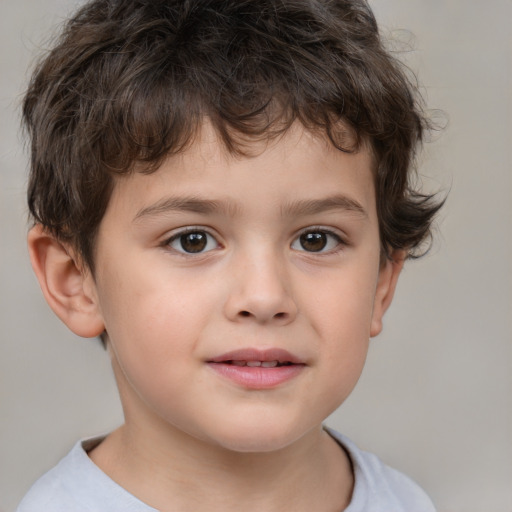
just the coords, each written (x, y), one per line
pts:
(317, 240)
(193, 242)
(313, 242)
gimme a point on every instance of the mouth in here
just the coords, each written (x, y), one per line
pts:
(256, 364)
(257, 369)
(254, 358)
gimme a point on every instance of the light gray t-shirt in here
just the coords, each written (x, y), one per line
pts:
(76, 484)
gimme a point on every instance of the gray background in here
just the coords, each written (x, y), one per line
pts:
(435, 397)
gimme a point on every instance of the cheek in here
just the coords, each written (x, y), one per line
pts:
(135, 300)
(341, 315)
(343, 307)
(151, 348)
(150, 324)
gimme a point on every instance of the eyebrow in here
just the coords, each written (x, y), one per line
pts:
(315, 206)
(207, 206)
(188, 204)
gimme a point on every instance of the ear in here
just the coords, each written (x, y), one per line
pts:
(388, 277)
(69, 290)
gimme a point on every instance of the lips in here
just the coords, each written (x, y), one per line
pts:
(251, 355)
(254, 364)
(257, 369)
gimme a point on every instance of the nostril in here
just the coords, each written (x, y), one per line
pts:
(280, 317)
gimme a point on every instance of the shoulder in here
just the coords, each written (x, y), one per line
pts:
(77, 484)
(378, 487)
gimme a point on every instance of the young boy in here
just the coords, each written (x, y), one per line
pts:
(221, 190)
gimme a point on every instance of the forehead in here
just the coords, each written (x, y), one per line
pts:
(297, 165)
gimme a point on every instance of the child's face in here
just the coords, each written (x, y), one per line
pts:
(215, 258)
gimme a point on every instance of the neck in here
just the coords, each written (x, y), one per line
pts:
(176, 471)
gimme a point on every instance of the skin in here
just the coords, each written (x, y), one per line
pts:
(255, 284)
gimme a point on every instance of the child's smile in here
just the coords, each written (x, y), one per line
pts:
(242, 289)
(258, 369)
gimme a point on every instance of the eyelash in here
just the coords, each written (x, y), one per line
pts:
(338, 241)
(191, 230)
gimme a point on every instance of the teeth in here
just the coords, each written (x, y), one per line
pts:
(256, 364)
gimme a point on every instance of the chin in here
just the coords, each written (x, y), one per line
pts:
(258, 438)
(255, 445)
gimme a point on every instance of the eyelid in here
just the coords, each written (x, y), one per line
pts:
(179, 232)
(340, 239)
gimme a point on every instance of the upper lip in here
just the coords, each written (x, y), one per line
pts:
(254, 354)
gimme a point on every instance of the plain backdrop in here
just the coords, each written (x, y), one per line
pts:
(435, 399)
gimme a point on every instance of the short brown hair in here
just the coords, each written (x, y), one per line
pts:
(131, 81)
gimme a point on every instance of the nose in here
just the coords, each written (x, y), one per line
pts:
(261, 292)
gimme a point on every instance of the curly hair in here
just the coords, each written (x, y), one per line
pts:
(132, 81)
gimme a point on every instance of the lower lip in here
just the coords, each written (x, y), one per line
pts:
(257, 377)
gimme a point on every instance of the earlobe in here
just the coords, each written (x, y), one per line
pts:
(68, 290)
(386, 285)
